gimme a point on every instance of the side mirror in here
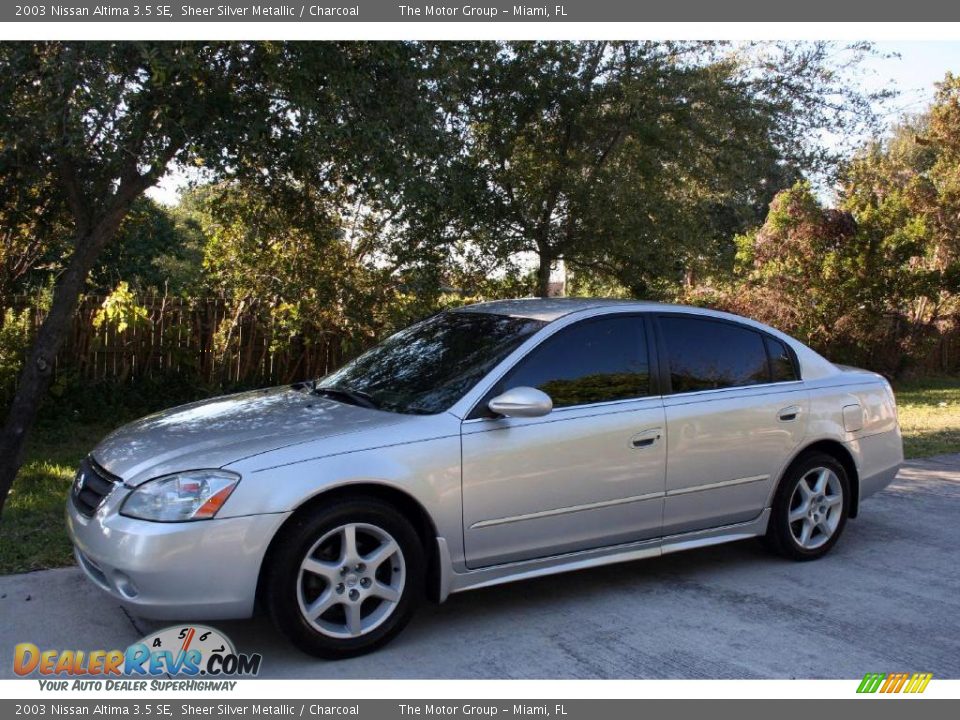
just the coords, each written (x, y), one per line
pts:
(521, 402)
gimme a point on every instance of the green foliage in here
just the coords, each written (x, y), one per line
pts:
(156, 249)
(120, 310)
(85, 127)
(635, 162)
(16, 331)
(813, 273)
(348, 189)
(32, 237)
(590, 284)
(301, 269)
(875, 282)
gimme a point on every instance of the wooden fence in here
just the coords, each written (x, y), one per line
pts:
(178, 338)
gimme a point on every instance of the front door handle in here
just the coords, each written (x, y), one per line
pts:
(789, 414)
(645, 439)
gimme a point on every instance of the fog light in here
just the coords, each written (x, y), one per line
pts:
(125, 585)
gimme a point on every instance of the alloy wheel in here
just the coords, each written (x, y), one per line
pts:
(816, 508)
(351, 580)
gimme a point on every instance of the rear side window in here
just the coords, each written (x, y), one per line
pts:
(782, 368)
(590, 362)
(707, 355)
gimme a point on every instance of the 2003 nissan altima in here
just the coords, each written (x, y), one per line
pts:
(488, 444)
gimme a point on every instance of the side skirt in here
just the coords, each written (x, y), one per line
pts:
(453, 582)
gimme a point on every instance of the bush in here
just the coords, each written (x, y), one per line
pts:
(16, 331)
(858, 293)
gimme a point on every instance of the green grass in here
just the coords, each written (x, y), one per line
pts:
(929, 416)
(32, 531)
(33, 537)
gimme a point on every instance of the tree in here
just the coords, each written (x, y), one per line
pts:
(637, 160)
(299, 272)
(904, 191)
(29, 230)
(801, 272)
(875, 281)
(86, 128)
(148, 243)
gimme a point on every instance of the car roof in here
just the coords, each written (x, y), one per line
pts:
(550, 309)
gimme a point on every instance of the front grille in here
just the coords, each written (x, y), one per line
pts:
(91, 487)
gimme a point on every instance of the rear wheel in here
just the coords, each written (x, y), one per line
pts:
(810, 508)
(344, 581)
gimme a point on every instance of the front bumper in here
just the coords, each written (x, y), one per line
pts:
(205, 570)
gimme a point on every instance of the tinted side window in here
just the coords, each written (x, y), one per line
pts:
(705, 354)
(592, 361)
(781, 362)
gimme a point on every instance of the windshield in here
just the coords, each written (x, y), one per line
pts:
(429, 366)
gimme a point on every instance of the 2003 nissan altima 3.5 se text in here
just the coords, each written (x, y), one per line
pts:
(487, 444)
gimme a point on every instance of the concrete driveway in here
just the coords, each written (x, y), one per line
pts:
(886, 599)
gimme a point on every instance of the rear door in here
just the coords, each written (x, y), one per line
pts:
(735, 412)
(588, 474)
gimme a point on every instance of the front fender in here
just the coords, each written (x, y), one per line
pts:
(426, 470)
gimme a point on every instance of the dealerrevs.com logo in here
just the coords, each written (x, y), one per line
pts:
(182, 651)
(894, 683)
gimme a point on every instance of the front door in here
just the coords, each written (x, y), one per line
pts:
(590, 473)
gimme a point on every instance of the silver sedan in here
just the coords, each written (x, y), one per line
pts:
(487, 444)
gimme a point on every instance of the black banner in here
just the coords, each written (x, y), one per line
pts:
(220, 11)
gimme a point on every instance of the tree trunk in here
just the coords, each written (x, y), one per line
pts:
(543, 274)
(38, 368)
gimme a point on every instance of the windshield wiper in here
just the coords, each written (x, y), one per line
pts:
(354, 397)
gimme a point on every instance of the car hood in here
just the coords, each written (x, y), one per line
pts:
(216, 432)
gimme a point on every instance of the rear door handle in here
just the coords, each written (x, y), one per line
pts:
(789, 414)
(645, 439)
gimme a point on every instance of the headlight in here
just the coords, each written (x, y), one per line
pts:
(184, 496)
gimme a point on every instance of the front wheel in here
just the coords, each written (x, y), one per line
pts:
(345, 580)
(810, 508)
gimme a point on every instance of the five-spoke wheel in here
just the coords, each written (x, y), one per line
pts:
(810, 507)
(816, 508)
(344, 578)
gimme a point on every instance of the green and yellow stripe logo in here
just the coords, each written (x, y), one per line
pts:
(894, 682)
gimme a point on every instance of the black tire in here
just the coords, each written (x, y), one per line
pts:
(780, 537)
(283, 583)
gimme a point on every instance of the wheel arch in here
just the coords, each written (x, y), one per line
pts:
(842, 455)
(402, 501)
